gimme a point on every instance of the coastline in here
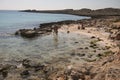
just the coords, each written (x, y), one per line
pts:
(82, 12)
(103, 36)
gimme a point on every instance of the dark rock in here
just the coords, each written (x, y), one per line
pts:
(5, 67)
(80, 55)
(90, 56)
(4, 70)
(94, 50)
(30, 64)
(86, 48)
(75, 77)
(49, 30)
(78, 27)
(92, 75)
(5, 74)
(93, 46)
(99, 55)
(68, 31)
(105, 62)
(28, 33)
(17, 33)
(118, 36)
(99, 39)
(80, 48)
(25, 74)
(76, 42)
(72, 54)
(93, 37)
(39, 67)
(35, 29)
(83, 28)
(26, 63)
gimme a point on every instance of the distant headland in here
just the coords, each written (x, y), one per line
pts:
(82, 12)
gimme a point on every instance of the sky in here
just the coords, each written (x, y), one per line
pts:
(57, 4)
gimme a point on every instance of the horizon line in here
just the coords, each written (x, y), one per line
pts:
(61, 9)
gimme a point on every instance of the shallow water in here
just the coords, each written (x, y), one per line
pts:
(44, 47)
(16, 48)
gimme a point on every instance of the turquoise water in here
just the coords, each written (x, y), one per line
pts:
(14, 48)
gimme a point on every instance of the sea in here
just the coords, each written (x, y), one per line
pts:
(15, 47)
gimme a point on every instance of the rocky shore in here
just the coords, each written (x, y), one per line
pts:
(44, 28)
(100, 60)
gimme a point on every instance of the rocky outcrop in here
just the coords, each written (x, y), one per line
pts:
(45, 28)
(29, 33)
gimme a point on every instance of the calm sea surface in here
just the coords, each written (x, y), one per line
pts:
(14, 20)
(12, 47)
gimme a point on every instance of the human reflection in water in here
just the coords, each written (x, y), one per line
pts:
(55, 35)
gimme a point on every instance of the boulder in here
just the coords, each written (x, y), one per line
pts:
(28, 33)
